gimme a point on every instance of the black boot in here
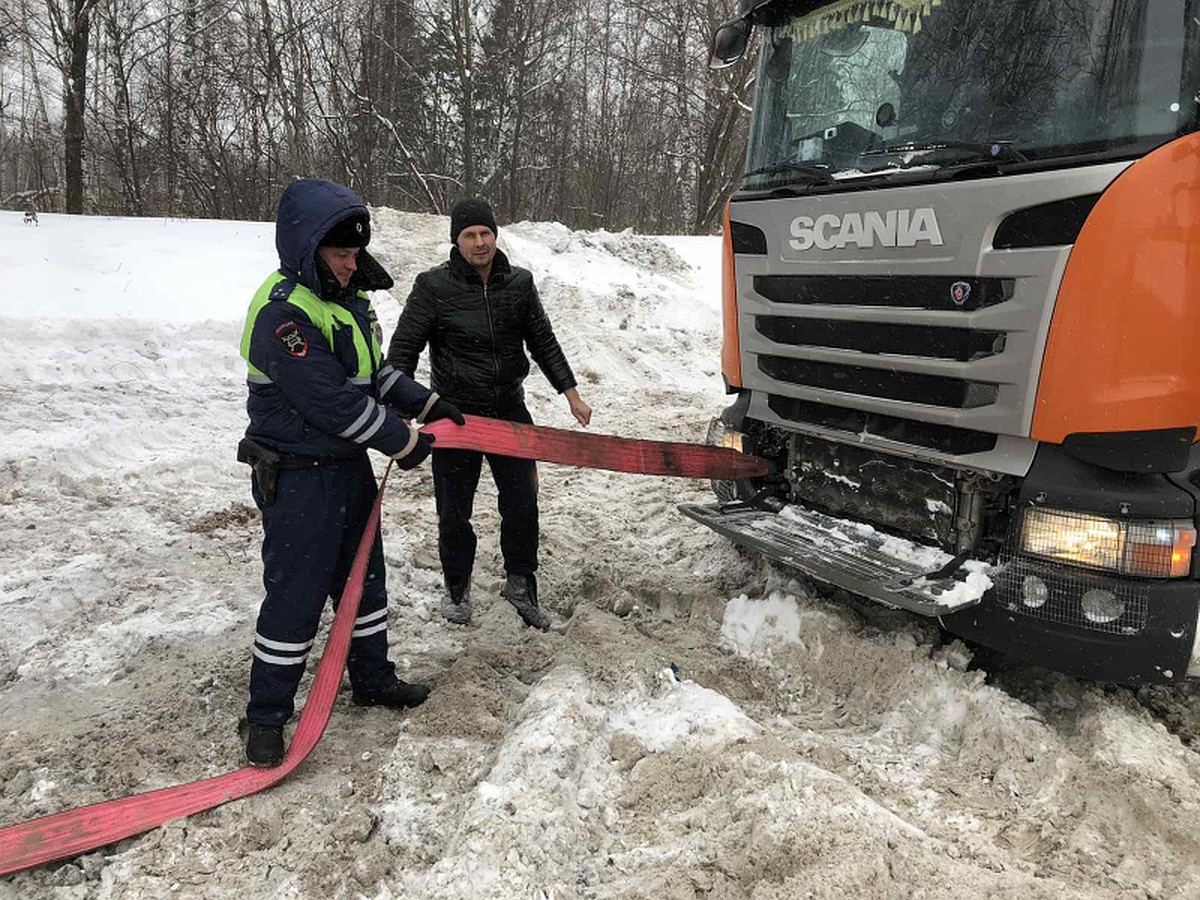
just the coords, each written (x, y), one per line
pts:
(398, 695)
(521, 592)
(264, 745)
(456, 602)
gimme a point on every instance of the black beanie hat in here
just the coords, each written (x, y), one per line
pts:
(354, 231)
(470, 212)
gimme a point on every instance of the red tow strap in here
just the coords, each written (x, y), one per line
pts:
(77, 831)
(595, 451)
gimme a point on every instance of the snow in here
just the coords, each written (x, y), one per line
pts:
(99, 268)
(687, 715)
(851, 174)
(930, 559)
(848, 536)
(756, 627)
(694, 724)
(937, 507)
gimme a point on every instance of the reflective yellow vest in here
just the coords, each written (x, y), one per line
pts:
(326, 316)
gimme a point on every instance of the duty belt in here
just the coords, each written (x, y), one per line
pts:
(268, 462)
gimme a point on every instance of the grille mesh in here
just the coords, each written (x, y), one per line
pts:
(1065, 587)
(911, 387)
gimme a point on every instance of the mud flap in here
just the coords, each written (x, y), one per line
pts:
(826, 549)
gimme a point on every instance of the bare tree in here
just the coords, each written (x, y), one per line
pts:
(592, 112)
(70, 30)
(464, 71)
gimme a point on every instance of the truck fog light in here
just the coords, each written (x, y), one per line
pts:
(1034, 592)
(1102, 606)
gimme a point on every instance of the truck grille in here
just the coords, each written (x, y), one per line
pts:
(950, 335)
(910, 292)
(943, 438)
(961, 344)
(934, 390)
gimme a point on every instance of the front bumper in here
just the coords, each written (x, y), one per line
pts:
(1151, 644)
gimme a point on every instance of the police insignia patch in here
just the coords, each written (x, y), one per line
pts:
(292, 339)
(376, 329)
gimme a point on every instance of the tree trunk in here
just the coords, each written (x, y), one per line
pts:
(74, 92)
(464, 58)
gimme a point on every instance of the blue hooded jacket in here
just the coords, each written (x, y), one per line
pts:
(309, 208)
(309, 397)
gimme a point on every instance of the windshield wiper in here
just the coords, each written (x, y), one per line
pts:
(997, 151)
(816, 174)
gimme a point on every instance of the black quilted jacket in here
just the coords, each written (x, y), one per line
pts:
(477, 335)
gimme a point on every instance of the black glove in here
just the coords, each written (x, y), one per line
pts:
(443, 409)
(417, 454)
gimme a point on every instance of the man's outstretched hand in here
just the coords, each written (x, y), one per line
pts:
(580, 410)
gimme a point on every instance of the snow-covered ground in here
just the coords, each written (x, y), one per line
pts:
(695, 725)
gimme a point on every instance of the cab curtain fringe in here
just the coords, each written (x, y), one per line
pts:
(905, 15)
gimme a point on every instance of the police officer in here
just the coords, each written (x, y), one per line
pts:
(320, 396)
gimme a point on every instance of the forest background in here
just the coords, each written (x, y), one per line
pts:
(593, 113)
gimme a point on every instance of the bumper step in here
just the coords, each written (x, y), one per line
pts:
(832, 551)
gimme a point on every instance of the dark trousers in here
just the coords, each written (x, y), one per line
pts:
(310, 535)
(455, 479)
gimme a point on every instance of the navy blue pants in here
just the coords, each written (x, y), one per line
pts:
(310, 535)
(455, 480)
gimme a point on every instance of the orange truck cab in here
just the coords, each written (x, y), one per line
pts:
(962, 317)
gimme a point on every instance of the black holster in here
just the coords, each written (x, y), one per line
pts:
(265, 462)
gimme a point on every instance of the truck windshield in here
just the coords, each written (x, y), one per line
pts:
(852, 93)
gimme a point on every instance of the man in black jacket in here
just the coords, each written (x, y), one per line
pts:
(478, 313)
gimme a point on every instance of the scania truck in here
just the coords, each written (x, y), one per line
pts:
(962, 318)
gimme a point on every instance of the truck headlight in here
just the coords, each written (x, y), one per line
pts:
(721, 435)
(1151, 548)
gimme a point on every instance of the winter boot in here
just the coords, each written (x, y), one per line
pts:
(398, 695)
(456, 601)
(264, 745)
(521, 592)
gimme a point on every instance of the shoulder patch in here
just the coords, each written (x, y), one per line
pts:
(292, 339)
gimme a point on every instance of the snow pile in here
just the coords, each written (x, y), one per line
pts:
(686, 715)
(755, 628)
